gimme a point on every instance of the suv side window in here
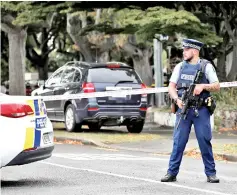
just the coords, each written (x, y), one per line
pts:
(68, 75)
(55, 78)
(77, 76)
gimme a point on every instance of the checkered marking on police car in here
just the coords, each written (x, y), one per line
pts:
(33, 134)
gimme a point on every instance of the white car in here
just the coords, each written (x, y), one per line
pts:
(26, 131)
(36, 91)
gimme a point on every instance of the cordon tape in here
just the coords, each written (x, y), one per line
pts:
(108, 93)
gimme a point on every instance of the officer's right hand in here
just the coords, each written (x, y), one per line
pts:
(179, 103)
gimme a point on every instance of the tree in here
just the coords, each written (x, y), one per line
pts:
(229, 11)
(83, 27)
(222, 16)
(17, 18)
(136, 29)
(95, 33)
(42, 41)
(17, 37)
(146, 23)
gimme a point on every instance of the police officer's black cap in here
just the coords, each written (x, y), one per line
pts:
(192, 43)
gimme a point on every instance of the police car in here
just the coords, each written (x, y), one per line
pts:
(26, 131)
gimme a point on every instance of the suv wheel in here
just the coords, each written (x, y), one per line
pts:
(70, 121)
(94, 126)
(135, 127)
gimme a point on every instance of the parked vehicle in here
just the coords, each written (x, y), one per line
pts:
(30, 86)
(26, 131)
(37, 88)
(82, 77)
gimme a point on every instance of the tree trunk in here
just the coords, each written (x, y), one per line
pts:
(221, 58)
(40, 61)
(103, 57)
(44, 57)
(233, 71)
(74, 26)
(142, 66)
(86, 46)
(221, 67)
(141, 60)
(43, 69)
(17, 41)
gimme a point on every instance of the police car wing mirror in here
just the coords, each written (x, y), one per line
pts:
(44, 85)
(40, 83)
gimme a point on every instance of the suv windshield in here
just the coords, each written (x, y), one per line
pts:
(107, 75)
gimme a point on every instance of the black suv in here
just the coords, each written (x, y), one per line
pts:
(82, 77)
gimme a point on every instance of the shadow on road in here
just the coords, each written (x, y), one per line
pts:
(25, 182)
(109, 131)
(106, 130)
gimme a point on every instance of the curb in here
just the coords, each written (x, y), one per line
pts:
(83, 141)
(227, 157)
(231, 158)
(102, 145)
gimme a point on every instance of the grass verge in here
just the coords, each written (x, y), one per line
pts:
(218, 150)
(108, 137)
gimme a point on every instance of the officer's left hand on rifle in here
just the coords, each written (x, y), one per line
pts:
(198, 89)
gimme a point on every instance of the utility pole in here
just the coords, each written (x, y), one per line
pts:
(159, 80)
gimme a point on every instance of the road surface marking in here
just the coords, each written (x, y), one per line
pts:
(136, 178)
(103, 157)
(107, 149)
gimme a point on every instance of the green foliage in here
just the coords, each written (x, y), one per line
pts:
(165, 21)
(27, 12)
(155, 20)
(226, 99)
(145, 24)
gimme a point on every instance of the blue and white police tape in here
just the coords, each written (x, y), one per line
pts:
(228, 84)
(119, 93)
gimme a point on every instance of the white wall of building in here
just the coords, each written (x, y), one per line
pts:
(33, 75)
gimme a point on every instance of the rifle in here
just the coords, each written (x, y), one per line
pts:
(188, 98)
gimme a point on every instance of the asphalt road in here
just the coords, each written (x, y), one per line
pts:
(76, 169)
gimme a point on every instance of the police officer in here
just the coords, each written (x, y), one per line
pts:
(183, 75)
